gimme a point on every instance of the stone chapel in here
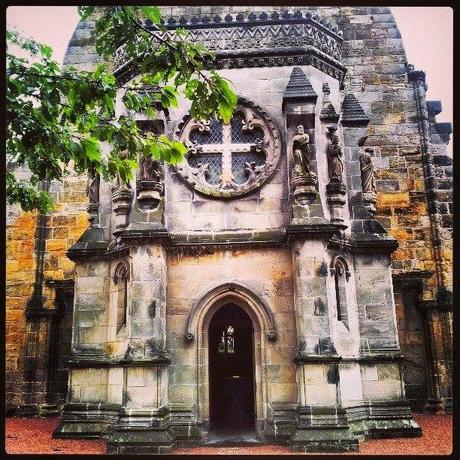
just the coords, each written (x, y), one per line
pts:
(290, 279)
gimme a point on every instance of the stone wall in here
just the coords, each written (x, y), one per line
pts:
(27, 341)
(267, 273)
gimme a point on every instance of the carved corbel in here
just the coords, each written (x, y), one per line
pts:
(121, 206)
(150, 187)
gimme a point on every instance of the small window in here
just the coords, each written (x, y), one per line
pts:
(121, 280)
(341, 275)
(227, 341)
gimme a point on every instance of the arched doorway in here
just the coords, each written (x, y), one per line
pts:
(231, 371)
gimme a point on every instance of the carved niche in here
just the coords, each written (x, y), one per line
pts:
(230, 160)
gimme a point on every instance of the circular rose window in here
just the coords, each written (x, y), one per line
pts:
(230, 160)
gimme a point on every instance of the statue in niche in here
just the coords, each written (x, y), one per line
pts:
(303, 179)
(367, 177)
(92, 187)
(301, 150)
(150, 170)
(367, 172)
(334, 157)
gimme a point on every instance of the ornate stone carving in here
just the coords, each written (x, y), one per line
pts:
(229, 160)
(309, 39)
(367, 178)
(367, 171)
(121, 206)
(301, 150)
(272, 335)
(189, 337)
(303, 179)
(150, 187)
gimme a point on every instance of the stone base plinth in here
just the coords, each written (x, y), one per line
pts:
(319, 439)
(383, 420)
(140, 440)
(86, 420)
(322, 429)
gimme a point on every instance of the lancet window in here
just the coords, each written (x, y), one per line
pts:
(121, 281)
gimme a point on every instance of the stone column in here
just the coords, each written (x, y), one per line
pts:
(319, 415)
(144, 418)
(90, 321)
(380, 360)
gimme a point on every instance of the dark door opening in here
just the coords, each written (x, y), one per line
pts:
(231, 371)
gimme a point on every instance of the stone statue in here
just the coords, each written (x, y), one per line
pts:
(367, 172)
(334, 157)
(92, 187)
(301, 150)
(150, 170)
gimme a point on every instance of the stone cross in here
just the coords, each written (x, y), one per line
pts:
(226, 148)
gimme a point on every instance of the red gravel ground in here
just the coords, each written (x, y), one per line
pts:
(33, 436)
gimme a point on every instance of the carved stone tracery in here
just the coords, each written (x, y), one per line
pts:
(229, 160)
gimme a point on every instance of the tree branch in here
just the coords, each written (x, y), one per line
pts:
(170, 45)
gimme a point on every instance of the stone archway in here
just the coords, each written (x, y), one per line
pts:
(264, 331)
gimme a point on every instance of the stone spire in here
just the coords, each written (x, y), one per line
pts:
(352, 112)
(299, 88)
(328, 113)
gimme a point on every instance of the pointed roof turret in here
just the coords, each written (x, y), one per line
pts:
(299, 88)
(328, 113)
(352, 112)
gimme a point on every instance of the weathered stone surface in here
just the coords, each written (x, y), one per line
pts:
(286, 284)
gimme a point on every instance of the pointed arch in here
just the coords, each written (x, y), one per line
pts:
(261, 315)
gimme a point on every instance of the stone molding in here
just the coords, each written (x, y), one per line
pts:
(383, 245)
(251, 41)
(77, 362)
(240, 292)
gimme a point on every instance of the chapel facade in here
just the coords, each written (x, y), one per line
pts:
(290, 278)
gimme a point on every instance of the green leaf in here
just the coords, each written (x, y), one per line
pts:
(85, 11)
(92, 149)
(152, 13)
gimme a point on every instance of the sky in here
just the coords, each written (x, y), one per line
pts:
(427, 34)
